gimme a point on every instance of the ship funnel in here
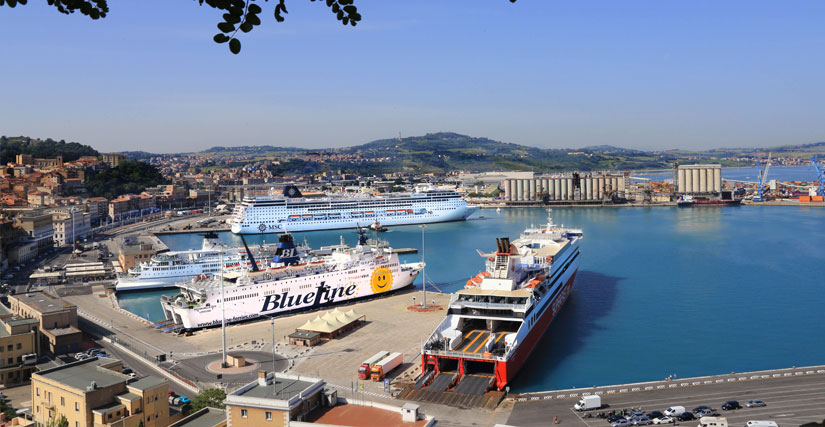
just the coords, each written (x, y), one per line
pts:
(286, 252)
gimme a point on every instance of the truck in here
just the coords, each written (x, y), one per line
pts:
(386, 365)
(588, 402)
(365, 370)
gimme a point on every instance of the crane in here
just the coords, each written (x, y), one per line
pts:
(763, 177)
(820, 175)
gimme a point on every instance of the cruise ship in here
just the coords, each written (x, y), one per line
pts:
(163, 270)
(494, 323)
(291, 212)
(290, 283)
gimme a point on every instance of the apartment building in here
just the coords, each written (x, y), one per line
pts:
(57, 321)
(95, 393)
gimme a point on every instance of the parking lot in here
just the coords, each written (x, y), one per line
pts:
(791, 401)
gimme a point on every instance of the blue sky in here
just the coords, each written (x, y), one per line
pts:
(548, 73)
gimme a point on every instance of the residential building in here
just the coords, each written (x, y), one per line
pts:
(49, 163)
(130, 205)
(206, 417)
(133, 252)
(69, 227)
(274, 399)
(38, 227)
(97, 208)
(113, 159)
(18, 348)
(94, 392)
(36, 199)
(57, 319)
(24, 159)
(280, 400)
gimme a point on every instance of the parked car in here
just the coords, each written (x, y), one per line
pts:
(755, 403)
(655, 414)
(630, 416)
(127, 371)
(81, 356)
(643, 420)
(731, 405)
(183, 400)
(132, 375)
(686, 416)
(663, 420)
(613, 418)
(697, 409)
(707, 413)
(620, 423)
(674, 411)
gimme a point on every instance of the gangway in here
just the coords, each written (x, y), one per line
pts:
(443, 381)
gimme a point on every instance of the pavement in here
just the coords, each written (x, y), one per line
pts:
(791, 401)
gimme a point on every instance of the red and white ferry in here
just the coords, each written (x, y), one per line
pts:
(494, 323)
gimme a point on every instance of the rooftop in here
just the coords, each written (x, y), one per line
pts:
(80, 374)
(206, 417)
(278, 390)
(146, 383)
(109, 407)
(347, 414)
(42, 302)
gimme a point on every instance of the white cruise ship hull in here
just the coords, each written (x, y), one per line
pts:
(257, 215)
(125, 284)
(279, 297)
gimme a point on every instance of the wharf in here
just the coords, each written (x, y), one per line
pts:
(793, 396)
(191, 230)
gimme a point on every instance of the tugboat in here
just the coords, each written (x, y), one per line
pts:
(376, 226)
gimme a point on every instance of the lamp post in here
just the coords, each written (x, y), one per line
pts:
(423, 268)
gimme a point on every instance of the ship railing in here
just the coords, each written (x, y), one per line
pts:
(489, 305)
(458, 354)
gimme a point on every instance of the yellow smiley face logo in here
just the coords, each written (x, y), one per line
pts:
(381, 280)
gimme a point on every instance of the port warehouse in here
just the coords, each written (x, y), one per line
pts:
(690, 179)
(572, 188)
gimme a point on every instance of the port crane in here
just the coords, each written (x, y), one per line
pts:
(820, 175)
(763, 177)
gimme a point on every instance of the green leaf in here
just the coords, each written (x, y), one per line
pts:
(220, 38)
(254, 8)
(226, 27)
(235, 46)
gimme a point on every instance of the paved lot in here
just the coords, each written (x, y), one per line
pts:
(791, 401)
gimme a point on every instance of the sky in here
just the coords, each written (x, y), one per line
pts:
(641, 74)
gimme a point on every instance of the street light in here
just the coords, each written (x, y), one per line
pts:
(423, 268)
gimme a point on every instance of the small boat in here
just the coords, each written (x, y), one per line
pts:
(376, 226)
(498, 210)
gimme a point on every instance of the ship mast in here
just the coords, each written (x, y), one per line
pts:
(223, 316)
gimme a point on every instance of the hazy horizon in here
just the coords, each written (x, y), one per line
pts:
(646, 75)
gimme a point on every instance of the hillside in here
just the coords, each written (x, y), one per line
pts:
(444, 151)
(48, 148)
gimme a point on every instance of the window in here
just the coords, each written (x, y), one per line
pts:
(62, 401)
(76, 406)
(37, 391)
(19, 346)
(243, 413)
(268, 416)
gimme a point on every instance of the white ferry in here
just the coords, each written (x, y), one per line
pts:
(291, 212)
(290, 283)
(165, 269)
(495, 322)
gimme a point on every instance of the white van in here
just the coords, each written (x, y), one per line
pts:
(761, 424)
(675, 411)
(713, 422)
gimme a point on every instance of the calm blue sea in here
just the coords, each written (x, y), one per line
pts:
(661, 290)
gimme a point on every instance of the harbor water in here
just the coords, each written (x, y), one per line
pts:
(660, 291)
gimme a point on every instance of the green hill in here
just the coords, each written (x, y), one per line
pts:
(47, 148)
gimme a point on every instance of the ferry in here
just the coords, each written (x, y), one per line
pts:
(495, 322)
(290, 211)
(165, 269)
(290, 283)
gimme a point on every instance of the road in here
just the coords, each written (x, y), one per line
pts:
(791, 401)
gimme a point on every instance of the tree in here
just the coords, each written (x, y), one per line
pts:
(130, 176)
(211, 397)
(238, 15)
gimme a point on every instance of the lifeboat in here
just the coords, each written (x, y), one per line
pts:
(533, 283)
(476, 280)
